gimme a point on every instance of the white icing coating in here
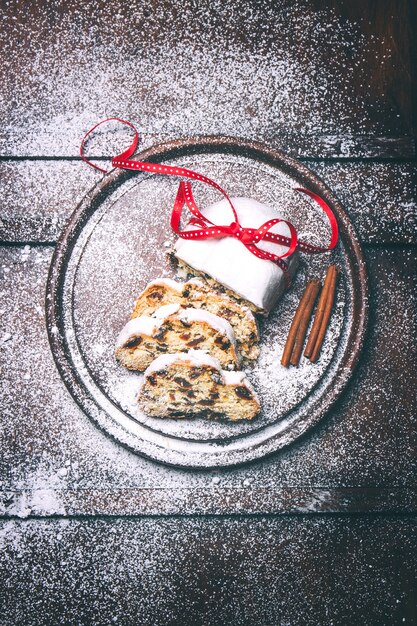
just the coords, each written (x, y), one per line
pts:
(168, 282)
(197, 358)
(165, 311)
(143, 325)
(229, 262)
(238, 378)
(200, 315)
(234, 378)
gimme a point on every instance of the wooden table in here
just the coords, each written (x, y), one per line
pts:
(323, 532)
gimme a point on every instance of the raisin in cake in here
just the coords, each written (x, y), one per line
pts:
(257, 282)
(198, 294)
(174, 329)
(193, 384)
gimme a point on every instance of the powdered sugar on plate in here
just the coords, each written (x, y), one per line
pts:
(121, 249)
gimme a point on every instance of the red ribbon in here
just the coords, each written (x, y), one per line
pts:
(205, 229)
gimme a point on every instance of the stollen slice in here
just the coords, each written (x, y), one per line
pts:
(174, 329)
(198, 294)
(191, 384)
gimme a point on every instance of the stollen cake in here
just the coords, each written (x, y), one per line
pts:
(257, 282)
(174, 329)
(193, 384)
(198, 294)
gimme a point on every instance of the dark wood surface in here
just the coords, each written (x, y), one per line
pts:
(321, 533)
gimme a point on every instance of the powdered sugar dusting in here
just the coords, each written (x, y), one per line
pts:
(150, 571)
(177, 77)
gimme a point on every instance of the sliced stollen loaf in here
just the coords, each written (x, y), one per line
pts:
(193, 384)
(226, 262)
(174, 329)
(198, 294)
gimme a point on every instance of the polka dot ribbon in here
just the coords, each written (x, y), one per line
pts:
(203, 228)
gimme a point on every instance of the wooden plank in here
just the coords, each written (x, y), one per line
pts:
(380, 198)
(343, 147)
(322, 80)
(186, 572)
(205, 501)
(337, 146)
(361, 458)
(37, 197)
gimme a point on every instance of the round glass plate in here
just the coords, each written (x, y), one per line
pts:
(116, 242)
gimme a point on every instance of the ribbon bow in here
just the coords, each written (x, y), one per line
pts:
(249, 237)
(205, 228)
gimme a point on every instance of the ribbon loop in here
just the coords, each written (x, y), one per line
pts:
(124, 155)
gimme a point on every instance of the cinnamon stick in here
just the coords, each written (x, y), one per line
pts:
(331, 270)
(289, 344)
(326, 317)
(304, 322)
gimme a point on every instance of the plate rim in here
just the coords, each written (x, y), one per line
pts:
(187, 146)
